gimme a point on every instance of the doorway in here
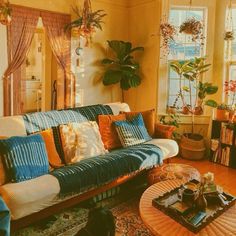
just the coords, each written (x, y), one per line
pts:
(39, 74)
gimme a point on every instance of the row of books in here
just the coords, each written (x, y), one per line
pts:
(226, 134)
(222, 156)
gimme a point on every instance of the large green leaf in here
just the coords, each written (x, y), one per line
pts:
(112, 77)
(211, 103)
(124, 83)
(120, 48)
(211, 89)
(134, 81)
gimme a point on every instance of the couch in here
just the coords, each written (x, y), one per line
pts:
(37, 198)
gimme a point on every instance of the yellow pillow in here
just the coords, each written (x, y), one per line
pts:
(53, 157)
(148, 118)
(3, 177)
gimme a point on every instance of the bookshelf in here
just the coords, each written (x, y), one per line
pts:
(223, 143)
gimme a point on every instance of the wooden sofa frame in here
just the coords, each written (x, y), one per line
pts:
(27, 220)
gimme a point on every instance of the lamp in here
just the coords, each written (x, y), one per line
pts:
(5, 12)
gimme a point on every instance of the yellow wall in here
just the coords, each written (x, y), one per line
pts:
(144, 20)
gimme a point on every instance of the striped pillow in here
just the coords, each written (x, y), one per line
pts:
(132, 132)
(24, 157)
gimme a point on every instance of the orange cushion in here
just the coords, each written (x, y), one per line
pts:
(164, 131)
(108, 131)
(53, 157)
(3, 177)
(148, 118)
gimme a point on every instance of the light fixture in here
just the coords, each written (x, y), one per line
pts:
(5, 12)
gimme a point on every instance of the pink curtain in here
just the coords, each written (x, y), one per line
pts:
(60, 42)
(20, 35)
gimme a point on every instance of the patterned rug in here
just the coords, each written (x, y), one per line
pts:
(70, 221)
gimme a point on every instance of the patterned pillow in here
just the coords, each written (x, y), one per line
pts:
(81, 140)
(132, 132)
(108, 131)
(24, 157)
(149, 118)
(3, 178)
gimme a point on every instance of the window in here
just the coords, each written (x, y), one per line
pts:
(183, 49)
(230, 55)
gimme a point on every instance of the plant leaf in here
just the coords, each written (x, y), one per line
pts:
(112, 77)
(107, 61)
(211, 103)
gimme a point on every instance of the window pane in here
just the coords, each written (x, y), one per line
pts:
(183, 49)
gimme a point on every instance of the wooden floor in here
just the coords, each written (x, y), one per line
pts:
(224, 176)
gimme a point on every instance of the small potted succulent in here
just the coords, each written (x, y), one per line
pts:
(222, 112)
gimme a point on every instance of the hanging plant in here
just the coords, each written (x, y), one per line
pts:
(229, 33)
(5, 13)
(192, 27)
(167, 31)
(229, 36)
(87, 22)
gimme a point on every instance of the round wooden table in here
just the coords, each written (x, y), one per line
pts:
(161, 224)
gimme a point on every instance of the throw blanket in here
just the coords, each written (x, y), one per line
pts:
(38, 121)
(96, 171)
(4, 219)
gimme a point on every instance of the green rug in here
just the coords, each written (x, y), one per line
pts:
(123, 206)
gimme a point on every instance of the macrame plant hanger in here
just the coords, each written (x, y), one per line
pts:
(229, 33)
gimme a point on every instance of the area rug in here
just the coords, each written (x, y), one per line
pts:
(70, 221)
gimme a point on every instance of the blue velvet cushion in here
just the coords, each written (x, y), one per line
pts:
(132, 132)
(24, 158)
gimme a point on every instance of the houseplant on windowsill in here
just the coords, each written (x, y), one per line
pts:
(230, 90)
(121, 67)
(192, 144)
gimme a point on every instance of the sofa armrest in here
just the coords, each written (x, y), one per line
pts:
(164, 131)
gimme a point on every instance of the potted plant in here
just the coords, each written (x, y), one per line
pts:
(5, 13)
(121, 67)
(192, 144)
(87, 22)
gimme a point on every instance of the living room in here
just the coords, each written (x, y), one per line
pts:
(117, 117)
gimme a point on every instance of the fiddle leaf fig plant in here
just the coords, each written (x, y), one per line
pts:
(121, 67)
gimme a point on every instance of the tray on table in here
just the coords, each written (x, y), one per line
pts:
(170, 204)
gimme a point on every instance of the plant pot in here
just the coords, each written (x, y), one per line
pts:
(198, 110)
(185, 110)
(222, 115)
(232, 116)
(171, 110)
(192, 146)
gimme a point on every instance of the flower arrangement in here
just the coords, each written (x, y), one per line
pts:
(87, 22)
(5, 13)
(167, 32)
(192, 27)
(230, 90)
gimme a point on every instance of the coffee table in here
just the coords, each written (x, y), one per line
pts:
(162, 225)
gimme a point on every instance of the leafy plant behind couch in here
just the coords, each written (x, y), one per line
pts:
(122, 68)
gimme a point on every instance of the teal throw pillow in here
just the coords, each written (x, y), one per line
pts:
(132, 132)
(24, 158)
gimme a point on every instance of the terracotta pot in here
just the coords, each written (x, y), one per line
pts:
(171, 110)
(232, 116)
(198, 110)
(222, 115)
(185, 110)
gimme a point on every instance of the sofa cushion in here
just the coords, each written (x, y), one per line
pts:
(96, 171)
(3, 178)
(148, 118)
(30, 196)
(81, 140)
(169, 147)
(108, 131)
(24, 157)
(164, 131)
(132, 132)
(39, 121)
(53, 157)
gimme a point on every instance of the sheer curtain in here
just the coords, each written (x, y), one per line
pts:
(20, 35)
(60, 43)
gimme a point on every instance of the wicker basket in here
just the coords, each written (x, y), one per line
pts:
(192, 149)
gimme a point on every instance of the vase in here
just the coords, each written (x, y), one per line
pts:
(201, 202)
(222, 115)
